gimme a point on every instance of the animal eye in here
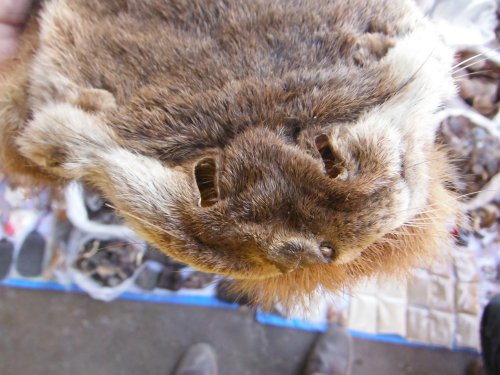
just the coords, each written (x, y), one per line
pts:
(333, 163)
(205, 173)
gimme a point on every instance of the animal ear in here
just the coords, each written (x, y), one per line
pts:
(332, 162)
(205, 173)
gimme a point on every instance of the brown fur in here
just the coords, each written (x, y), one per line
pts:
(278, 142)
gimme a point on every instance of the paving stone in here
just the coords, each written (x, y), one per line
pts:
(31, 255)
(6, 253)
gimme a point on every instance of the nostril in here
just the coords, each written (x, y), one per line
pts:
(327, 250)
(302, 253)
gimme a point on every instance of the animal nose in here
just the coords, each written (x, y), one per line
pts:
(311, 253)
(295, 254)
(327, 250)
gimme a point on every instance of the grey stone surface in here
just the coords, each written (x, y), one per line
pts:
(59, 333)
(30, 257)
(6, 254)
(147, 279)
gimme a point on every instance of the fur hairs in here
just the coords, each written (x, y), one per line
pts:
(286, 144)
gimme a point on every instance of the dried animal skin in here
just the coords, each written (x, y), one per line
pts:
(290, 149)
(108, 262)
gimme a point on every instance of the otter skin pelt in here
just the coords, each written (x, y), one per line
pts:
(286, 144)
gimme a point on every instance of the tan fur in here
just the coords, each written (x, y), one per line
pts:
(287, 144)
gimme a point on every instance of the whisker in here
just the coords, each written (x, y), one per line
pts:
(419, 225)
(473, 73)
(469, 65)
(406, 231)
(411, 222)
(466, 61)
(423, 212)
(447, 158)
(465, 195)
(428, 161)
(410, 79)
(144, 221)
(489, 52)
(420, 235)
(406, 225)
(439, 234)
(477, 55)
(454, 199)
(424, 222)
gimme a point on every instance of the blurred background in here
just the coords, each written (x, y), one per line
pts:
(81, 294)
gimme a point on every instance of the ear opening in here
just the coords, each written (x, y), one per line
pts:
(332, 163)
(205, 173)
